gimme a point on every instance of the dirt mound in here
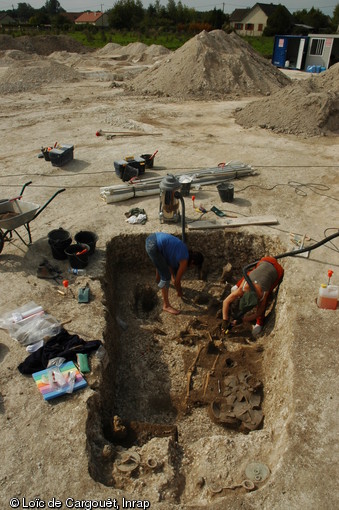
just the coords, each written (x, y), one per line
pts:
(134, 52)
(27, 76)
(306, 107)
(211, 65)
(153, 53)
(42, 44)
(8, 56)
(65, 57)
(108, 49)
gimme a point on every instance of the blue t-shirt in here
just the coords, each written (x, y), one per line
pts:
(172, 249)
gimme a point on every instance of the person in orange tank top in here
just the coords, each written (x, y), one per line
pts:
(265, 277)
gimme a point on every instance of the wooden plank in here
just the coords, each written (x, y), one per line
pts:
(232, 222)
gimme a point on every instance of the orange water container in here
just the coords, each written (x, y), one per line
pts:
(328, 296)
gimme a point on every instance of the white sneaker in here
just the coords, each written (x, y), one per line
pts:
(256, 330)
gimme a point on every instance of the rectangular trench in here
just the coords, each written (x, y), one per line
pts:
(154, 426)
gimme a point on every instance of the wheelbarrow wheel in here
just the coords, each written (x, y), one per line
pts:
(2, 241)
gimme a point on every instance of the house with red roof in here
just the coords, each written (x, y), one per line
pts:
(98, 19)
(71, 16)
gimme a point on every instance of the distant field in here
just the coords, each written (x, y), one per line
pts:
(98, 39)
(263, 45)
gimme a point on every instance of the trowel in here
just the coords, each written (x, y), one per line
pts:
(83, 294)
(221, 213)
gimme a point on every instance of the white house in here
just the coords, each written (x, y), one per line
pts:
(251, 21)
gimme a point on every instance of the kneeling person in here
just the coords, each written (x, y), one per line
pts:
(265, 277)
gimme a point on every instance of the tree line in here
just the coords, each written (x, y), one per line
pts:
(130, 15)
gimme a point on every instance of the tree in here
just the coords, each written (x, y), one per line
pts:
(23, 12)
(126, 14)
(336, 16)
(53, 7)
(39, 18)
(280, 22)
(59, 21)
(314, 18)
(317, 19)
(185, 14)
(300, 17)
(171, 10)
(215, 18)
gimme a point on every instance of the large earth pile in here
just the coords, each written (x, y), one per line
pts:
(306, 107)
(24, 70)
(42, 44)
(211, 65)
(25, 76)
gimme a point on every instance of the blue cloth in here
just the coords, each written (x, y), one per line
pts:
(166, 251)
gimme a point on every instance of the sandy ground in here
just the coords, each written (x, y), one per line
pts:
(47, 448)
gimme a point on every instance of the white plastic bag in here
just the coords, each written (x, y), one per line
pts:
(34, 329)
(29, 324)
(7, 318)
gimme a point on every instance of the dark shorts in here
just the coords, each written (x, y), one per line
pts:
(158, 260)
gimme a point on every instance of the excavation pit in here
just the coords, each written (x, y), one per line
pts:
(177, 403)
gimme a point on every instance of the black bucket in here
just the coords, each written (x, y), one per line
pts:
(129, 172)
(149, 161)
(86, 237)
(78, 255)
(185, 189)
(226, 191)
(59, 239)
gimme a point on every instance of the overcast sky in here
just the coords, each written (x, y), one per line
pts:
(326, 6)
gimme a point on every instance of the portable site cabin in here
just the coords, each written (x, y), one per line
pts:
(313, 52)
(323, 50)
(290, 51)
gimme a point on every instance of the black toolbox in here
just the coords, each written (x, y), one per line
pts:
(129, 167)
(61, 154)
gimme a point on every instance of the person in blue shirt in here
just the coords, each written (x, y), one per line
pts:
(171, 258)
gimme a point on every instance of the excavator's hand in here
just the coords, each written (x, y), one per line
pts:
(226, 326)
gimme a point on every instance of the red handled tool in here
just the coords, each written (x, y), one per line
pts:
(82, 252)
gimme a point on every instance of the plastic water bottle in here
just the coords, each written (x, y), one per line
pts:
(77, 272)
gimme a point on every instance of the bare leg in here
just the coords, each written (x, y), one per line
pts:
(167, 307)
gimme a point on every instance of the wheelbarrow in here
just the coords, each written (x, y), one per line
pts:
(15, 213)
